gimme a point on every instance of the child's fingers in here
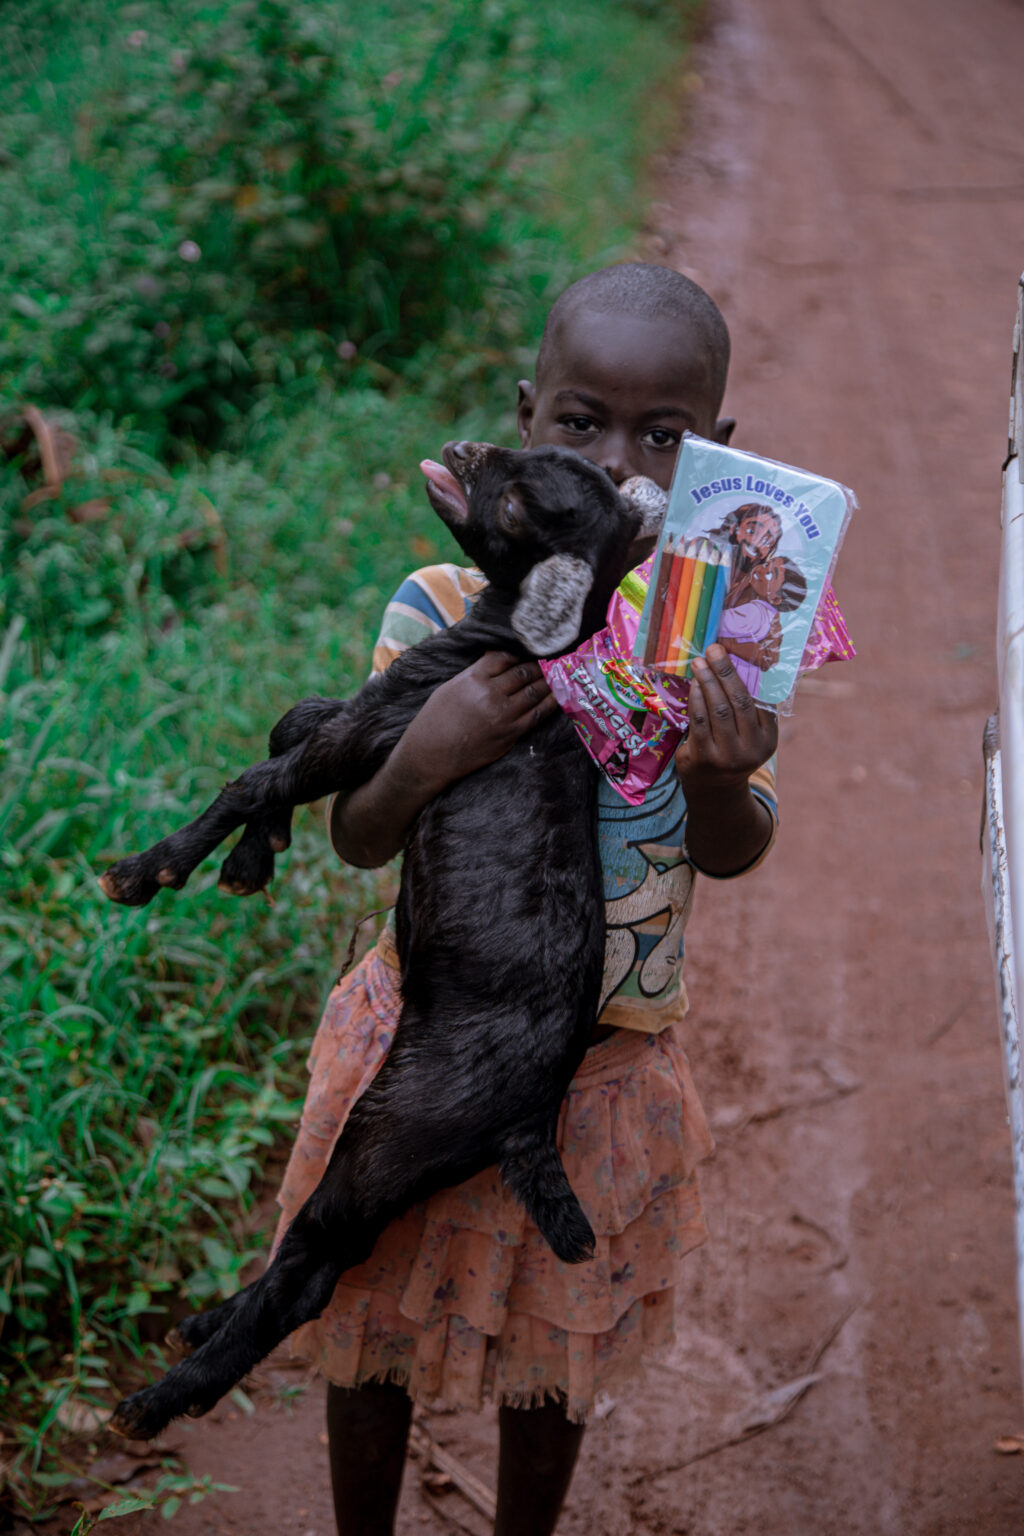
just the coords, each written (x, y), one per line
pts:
(726, 700)
(526, 697)
(511, 674)
(756, 730)
(531, 699)
(698, 726)
(506, 665)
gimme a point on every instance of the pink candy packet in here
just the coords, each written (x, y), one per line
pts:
(630, 718)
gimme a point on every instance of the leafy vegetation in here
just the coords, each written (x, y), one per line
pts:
(264, 192)
(259, 258)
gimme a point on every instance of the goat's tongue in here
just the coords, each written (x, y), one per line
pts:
(445, 492)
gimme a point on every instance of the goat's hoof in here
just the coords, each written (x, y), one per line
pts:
(238, 887)
(135, 1419)
(249, 867)
(124, 884)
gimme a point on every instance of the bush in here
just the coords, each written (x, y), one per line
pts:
(247, 198)
(320, 528)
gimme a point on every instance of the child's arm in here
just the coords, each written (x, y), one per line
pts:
(727, 826)
(467, 723)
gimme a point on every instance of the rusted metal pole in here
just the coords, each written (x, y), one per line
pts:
(1004, 793)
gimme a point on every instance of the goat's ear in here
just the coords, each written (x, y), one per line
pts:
(648, 499)
(549, 612)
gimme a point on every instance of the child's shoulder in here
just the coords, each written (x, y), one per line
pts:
(428, 600)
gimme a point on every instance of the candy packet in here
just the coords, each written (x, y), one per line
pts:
(629, 717)
(744, 557)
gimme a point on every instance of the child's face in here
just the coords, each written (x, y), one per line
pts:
(621, 391)
(768, 580)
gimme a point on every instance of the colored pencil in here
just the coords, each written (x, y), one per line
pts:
(659, 587)
(665, 628)
(690, 621)
(707, 592)
(718, 599)
(688, 567)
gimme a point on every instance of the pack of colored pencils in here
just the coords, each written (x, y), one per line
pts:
(744, 560)
(691, 578)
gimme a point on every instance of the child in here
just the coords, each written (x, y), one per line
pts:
(461, 1295)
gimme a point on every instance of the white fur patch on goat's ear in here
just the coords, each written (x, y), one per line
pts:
(643, 496)
(549, 612)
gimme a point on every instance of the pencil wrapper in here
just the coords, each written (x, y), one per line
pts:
(745, 558)
(630, 717)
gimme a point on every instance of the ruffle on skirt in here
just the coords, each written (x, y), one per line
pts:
(461, 1296)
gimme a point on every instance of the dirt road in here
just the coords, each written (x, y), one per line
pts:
(852, 191)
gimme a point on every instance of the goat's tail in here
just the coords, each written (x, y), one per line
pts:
(535, 1175)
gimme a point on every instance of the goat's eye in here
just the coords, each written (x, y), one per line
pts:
(508, 515)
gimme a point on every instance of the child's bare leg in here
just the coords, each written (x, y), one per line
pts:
(538, 1450)
(367, 1430)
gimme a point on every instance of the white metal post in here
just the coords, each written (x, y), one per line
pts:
(1004, 791)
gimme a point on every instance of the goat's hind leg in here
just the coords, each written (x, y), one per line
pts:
(229, 1341)
(198, 1382)
(194, 1330)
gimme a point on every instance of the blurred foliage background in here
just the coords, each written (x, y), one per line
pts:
(258, 259)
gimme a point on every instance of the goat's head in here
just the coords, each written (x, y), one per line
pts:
(548, 528)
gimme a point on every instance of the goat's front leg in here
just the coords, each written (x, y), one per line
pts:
(262, 795)
(134, 881)
(249, 867)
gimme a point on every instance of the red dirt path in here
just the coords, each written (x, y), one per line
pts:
(852, 191)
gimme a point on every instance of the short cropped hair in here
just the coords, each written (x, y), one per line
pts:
(651, 293)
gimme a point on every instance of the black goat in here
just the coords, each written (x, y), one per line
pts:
(500, 919)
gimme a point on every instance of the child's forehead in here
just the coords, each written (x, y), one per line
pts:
(667, 353)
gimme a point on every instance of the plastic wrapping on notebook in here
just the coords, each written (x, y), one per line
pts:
(626, 688)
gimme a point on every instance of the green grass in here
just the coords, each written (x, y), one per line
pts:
(150, 1058)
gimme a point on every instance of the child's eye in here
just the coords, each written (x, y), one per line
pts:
(661, 437)
(578, 424)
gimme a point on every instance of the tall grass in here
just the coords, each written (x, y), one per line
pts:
(150, 1058)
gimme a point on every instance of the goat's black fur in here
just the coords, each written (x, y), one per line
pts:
(500, 922)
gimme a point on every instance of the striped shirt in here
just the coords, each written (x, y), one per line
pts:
(648, 878)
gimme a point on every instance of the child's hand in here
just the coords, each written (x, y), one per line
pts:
(728, 738)
(468, 722)
(475, 717)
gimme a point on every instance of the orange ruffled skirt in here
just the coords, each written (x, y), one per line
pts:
(462, 1297)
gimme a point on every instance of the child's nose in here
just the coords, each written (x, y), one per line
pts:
(614, 459)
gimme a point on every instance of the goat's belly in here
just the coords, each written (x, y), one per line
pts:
(501, 903)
